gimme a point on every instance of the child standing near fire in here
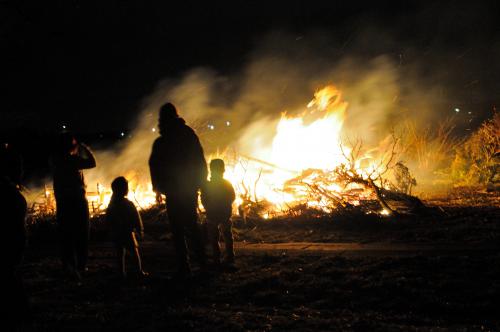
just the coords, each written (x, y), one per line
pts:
(217, 197)
(126, 224)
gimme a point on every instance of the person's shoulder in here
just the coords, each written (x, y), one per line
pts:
(185, 129)
(127, 202)
(228, 183)
(159, 144)
(159, 140)
(130, 205)
(209, 185)
(62, 159)
(189, 132)
(110, 209)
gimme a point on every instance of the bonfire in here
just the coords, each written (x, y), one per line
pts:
(309, 167)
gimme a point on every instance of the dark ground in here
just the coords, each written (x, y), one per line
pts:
(433, 272)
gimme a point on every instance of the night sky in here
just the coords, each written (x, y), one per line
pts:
(91, 63)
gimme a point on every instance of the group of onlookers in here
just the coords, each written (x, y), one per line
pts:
(178, 171)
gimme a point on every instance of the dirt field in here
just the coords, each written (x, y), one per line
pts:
(435, 272)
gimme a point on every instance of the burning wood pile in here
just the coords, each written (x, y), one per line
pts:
(328, 176)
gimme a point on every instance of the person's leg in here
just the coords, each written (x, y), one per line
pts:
(227, 233)
(176, 226)
(138, 261)
(213, 238)
(192, 229)
(82, 234)
(17, 310)
(120, 260)
(63, 215)
(66, 246)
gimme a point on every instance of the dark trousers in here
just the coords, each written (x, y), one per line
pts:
(73, 224)
(17, 309)
(183, 218)
(216, 226)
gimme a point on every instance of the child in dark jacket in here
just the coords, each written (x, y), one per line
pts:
(123, 218)
(217, 198)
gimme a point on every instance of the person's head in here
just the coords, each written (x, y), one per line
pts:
(168, 113)
(217, 168)
(119, 187)
(11, 164)
(67, 143)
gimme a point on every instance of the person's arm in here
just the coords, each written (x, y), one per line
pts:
(108, 219)
(153, 166)
(86, 158)
(137, 221)
(203, 195)
(200, 161)
(230, 190)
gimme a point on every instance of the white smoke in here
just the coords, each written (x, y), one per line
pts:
(281, 75)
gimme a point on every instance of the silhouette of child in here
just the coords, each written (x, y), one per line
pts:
(124, 219)
(217, 198)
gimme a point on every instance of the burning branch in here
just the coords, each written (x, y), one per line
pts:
(349, 173)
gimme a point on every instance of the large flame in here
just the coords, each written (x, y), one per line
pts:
(308, 141)
(300, 145)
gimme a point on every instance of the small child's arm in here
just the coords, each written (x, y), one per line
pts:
(108, 219)
(137, 222)
(231, 192)
(140, 228)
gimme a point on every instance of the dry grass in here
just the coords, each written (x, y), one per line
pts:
(477, 160)
(429, 149)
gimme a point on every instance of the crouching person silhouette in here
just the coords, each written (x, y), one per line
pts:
(217, 197)
(123, 218)
(179, 170)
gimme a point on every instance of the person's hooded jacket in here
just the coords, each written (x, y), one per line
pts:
(177, 163)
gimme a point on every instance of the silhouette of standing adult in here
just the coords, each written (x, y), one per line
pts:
(13, 207)
(72, 208)
(178, 170)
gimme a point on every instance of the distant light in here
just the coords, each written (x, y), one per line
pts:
(122, 134)
(211, 127)
(153, 130)
(470, 112)
(457, 110)
(64, 126)
(228, 123)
